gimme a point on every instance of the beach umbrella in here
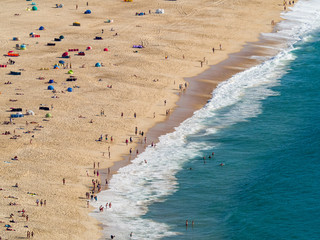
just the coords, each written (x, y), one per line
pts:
(22, 47)
(89, 48)
(69, 89)
(48, 115)
(65, 54)
(50, 87)
(61, 37)
(87, 12)
(70, 72)
(51, 81)
(61, 61)
(98, 65)
(56, 67)
(41, 28)
(106, 49)
(34, 8)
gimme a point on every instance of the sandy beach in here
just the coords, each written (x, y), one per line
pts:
(110, 108)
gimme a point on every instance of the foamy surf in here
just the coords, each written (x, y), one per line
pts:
(140, 184)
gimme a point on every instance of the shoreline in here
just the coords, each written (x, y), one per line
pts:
(199, 92)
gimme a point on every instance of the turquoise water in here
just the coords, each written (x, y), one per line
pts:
(270, 184)
(263, 125)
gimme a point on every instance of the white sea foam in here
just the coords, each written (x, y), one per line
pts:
(140, 184)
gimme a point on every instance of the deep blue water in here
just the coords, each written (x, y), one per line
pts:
(269, 187)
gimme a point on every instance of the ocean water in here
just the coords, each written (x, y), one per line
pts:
(263, 125)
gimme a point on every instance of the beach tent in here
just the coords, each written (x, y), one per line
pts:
(50, 87)
(61, 61)
(22, 47)
(87, 12)
(48, 115)
(98, 65)
(69, 89)
(55, 66)
(160, 11)
(15, 39)
(106, 49)
(33, 4)
(61, 37)
(30, 112)
(65, 55)
(34, 8)
(76, 24)
(51, 81)
(89, 48)
(41, 28)
(17, 115)
(70, 72)
(15, 73)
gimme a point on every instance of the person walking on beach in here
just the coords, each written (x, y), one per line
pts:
(213, 50)
(64, 181)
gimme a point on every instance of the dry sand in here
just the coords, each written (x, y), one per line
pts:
(65, 145)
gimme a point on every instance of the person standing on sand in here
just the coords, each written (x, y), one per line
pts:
(213, 50)
(64, 181)
(77, 7)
